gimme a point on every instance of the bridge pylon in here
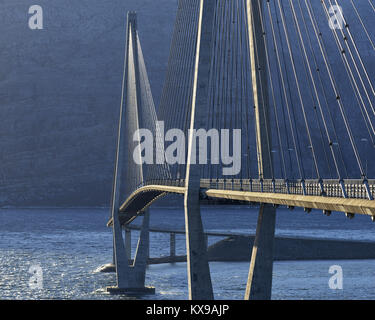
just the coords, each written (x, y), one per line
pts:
(259, 284)
(130, 278)
(199, 277)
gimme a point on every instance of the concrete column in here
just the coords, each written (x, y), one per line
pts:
(113, 255)
(200, 286)
(141, 256)
(121, 261)
(259, 285)
(138, 108)
(172, 244)
(130, 279)
(128, 243)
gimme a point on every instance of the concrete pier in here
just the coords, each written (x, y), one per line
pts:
(259, 285)
(133, 275)
(130, 279)
(128, 243)
(172, 244)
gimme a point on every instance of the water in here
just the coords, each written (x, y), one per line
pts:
(69, 244)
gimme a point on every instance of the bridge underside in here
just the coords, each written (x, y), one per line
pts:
(144, 197)
(359, 206)
(141, 199)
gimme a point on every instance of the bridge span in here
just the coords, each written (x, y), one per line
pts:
(255, 191)
(296, 95)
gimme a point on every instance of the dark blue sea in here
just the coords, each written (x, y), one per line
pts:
(68, 245)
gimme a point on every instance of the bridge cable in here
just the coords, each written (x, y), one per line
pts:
(342, 108)
(292, 59)
(372, 5)
(362, 23)
(192, 43)
(280, 144)
(347, 28)
(291, 104)
(337, 93)
(322, 46)
(295, 138)
(323, 88)
(245, 76)
(168, 94)
(263, 94)
(312, 84)
(219, 56)
(350, 72)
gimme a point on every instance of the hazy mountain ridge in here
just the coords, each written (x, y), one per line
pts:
(60, 93)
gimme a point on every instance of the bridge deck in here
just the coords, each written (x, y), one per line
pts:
(251, 191)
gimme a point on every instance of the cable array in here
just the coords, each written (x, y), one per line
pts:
(319, 92)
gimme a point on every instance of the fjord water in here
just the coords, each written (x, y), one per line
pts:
(69, 244)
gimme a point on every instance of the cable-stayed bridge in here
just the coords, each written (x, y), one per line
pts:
(267, 102)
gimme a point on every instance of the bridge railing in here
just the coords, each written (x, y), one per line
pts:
(329, 188)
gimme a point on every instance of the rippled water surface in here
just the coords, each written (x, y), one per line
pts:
(69, 244)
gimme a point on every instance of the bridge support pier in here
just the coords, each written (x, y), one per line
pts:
(172, 238)
(259, 284)
(199, 277)
(142, 254)
(131, 278)
(128, 243)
